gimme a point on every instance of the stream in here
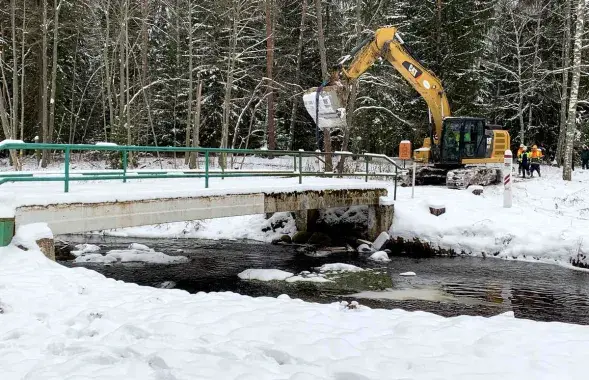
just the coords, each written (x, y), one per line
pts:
(443, 285)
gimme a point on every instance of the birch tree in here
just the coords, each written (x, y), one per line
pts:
(564, 86)
(574, 95)
(325, 76)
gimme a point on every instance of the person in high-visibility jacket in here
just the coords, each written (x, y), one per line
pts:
(519, 158)
(535, 159)
(525, 162)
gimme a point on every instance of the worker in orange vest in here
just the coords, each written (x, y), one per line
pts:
(535, 159)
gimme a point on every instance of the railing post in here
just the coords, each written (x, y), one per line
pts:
(124, 166)
(207, 169)
(223, 166)
(37, 151)
(66, 186)
(295, 163)
(367, 167)
(300, 168)
(396, 174)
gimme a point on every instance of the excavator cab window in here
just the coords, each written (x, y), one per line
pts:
(474, 143)
(451, 134)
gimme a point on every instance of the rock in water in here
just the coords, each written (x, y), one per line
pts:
(167, 285)
(364, 248)
(380, 256)
(320, 239)
(408, 274)
(382, 239)
(301, 237)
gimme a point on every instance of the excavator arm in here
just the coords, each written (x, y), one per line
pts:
(387, 44)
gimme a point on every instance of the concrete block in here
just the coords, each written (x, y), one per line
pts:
(380, 219)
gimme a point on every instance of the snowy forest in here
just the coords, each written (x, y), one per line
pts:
(231, 73)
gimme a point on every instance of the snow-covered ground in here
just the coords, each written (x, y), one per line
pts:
(60, 323)
(549, 221)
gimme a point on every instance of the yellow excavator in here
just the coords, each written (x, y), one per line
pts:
(457, 149)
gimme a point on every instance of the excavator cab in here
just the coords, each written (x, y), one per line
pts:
(468, 140)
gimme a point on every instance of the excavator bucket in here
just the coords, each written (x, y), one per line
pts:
(328, 110)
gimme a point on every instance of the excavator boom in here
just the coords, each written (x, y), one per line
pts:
(327, 104)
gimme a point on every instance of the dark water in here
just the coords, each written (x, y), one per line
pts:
(445, 286)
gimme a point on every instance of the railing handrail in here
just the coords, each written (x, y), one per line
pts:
(171, 149)
(126, 174)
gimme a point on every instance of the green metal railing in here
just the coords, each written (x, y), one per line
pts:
(125, 174)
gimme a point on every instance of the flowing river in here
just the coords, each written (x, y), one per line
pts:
(445, 286)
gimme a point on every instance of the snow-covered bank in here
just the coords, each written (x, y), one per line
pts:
(549, 221)
(248, 227)
(73, 323)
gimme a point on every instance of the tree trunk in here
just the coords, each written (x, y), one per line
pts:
(564, 87)
(187, 155)
(51, 128)
(22, 76)
(107, 71)
(44, 82)
(325, 75)
(127, 79)
(352, 97)
(196, 128)
(73, 120)
(321, 40)
(572, 116)
(145, 67)
(121, 123)
(269, 73)
(295, 103)
(229, 82)
(15, 85)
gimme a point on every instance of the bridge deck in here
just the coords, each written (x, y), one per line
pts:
(102, 205)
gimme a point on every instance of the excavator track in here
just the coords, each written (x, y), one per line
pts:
(462, 178)
(473, 175)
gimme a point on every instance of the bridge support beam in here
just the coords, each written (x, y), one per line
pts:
(380, 219)
(306, 220)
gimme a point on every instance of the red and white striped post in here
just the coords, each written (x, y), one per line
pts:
(507, 179)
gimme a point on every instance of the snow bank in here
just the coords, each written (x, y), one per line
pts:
(74, 323)
(248, 227)
(548, 223)
(339, 267)
(136, 253)
(28, 234)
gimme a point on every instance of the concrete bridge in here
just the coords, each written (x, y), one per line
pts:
(77, 214)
